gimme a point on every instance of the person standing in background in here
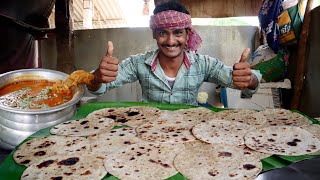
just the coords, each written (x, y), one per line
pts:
(21, 24)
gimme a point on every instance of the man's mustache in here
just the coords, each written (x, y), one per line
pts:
(168, 45)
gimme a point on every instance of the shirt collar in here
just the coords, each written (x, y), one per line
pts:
(153, 60)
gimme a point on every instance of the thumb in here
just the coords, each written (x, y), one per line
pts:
(109, 49)
(244, 55)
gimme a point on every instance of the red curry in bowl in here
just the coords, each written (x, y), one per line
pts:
(33, 94)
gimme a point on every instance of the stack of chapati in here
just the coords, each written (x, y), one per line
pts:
(197, 142)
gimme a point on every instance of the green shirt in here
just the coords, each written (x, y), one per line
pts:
(195, 70)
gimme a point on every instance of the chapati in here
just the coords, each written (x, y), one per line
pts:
(83, 127)
(284, 117)
(314, 129)
(145, 161)
(221, 131)
(200, 145)
(282, 140)
(250, 117)
(114, 140)
(225, 112)
(169, 128)
(130, 116)
(217, 161)
(196, 115)
(39, 148)
(74, 166)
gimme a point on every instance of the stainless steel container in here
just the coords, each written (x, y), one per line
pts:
(18, 124)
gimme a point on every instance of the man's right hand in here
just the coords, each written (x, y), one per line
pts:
(107, 71)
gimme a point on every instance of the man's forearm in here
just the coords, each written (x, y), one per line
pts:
(94, 85)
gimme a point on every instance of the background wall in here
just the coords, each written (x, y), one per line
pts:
(224, 43)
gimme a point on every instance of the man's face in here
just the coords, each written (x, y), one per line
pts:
(171, 42)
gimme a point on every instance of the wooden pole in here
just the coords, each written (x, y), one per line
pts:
(301, 58)
(64, 33)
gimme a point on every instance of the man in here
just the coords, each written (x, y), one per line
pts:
(174, 72)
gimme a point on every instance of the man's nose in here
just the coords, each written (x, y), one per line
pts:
(171, 39)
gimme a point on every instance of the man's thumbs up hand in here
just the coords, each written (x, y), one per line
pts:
(242, 76)
(107, 70)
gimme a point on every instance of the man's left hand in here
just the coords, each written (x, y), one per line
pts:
(242, 76)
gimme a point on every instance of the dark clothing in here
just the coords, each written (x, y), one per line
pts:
(21, 22)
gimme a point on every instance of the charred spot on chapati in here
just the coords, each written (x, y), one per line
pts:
(84, 122)
(249, 166)
(40, 153)
(121, 120)
(46, 144)
(45, 164)
(56, 178)
(86, 173)
(114, 117)
(211, 173)
(292, 143)
(226, 154)
(25, 162)
(132, 113)
(69, 161)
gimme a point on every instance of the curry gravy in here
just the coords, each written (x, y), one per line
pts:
(32, 94)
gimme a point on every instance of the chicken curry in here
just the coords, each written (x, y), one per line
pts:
(33, 94)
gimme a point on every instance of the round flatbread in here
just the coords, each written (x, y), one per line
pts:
(74, 166)
(196, 115)
(314, 129)
(226, 112)
(221, 132)
(83, 127)
(114, 140)
(130, 116)
(144, 161)
(283, 117)
(169, 128)
(282, 140)
(250, 117)
(218, 161)
(43, 147)
(200, 145)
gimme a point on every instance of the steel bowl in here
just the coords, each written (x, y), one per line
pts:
(17, 124)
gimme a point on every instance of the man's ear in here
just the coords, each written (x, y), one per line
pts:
(188, 31)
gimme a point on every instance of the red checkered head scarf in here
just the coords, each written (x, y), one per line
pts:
(171, 19)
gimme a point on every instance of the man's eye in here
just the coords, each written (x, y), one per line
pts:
(162, 33)
(178, 33)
